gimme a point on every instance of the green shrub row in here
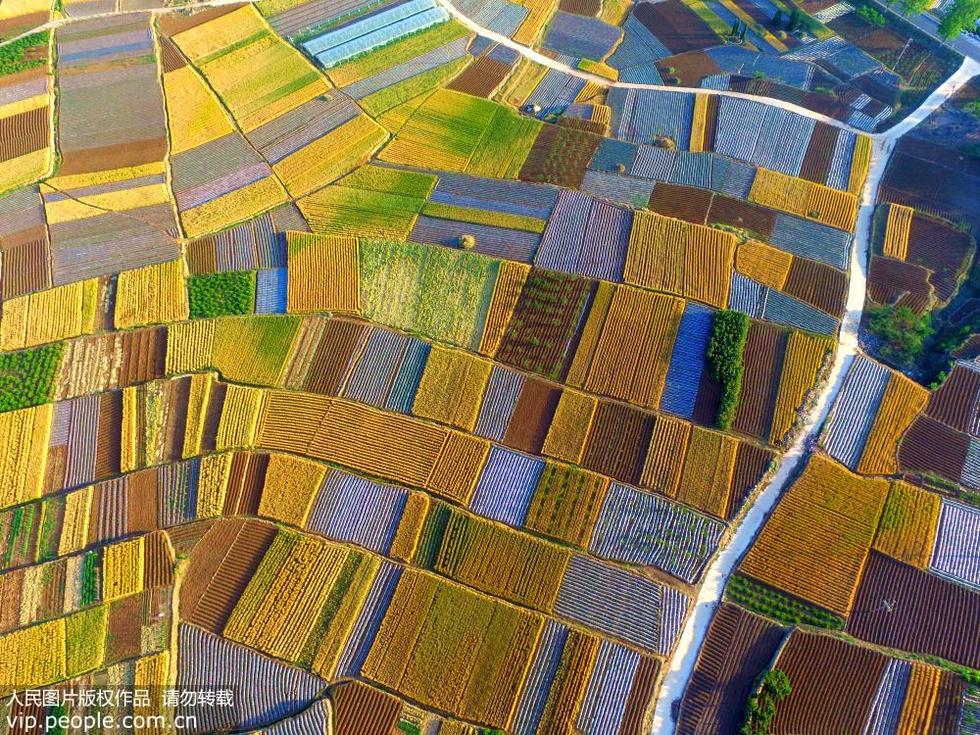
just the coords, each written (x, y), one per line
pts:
(221, 294)
(725, 351)
(773, 604)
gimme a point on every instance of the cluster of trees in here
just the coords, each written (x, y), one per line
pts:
(902, 333)
(27, 376)
(961, 17)
(725, 349)
(760, 710)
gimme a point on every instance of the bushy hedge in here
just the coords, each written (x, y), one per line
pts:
(725, 350)
(27, 376)
(221, 294)
(771, 687)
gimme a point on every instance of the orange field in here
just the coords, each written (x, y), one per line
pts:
(763, 263)
(896, 244)
(634, 348)
(901, 403)
(920, 699)
(804, 199)
(818, 538)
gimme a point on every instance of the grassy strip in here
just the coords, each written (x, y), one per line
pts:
(484, 217)
(771, 603)
(725, 351)
(390, 181)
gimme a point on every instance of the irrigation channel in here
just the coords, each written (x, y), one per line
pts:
(681, 665)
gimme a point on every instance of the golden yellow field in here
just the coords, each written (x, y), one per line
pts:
(763, 263)
(323, 273)
(291, 484)
(902, 401)
(804, 199)
(23, 453)
(570, 426)
(152, 295)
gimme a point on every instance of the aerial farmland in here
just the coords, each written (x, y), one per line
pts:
(489, 367)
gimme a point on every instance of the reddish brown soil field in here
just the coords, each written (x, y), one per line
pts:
(834, 684)
(532, 416)
(245, 482)
(764, 350)
(363, 710)
(738, 647)
(940, 248)
(736, 213)
(927, 615)
(820, 152)
(751, 464)
(953, 402)
(688, 203)
(676, 25)
(618, 441)
(481, 77)
(690, 67)
(539, 335)
(560, 155)
(24, 133)
(897, 281)
(333, 353)
(26, 268)
(643, 687)
(931, 446)
(223, 563)
(818, 284)
(580, 7)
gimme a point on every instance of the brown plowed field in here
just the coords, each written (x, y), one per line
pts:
(24, 133)
(245, 482)
(481, 77)
(26, 268)
(819, 153)
(736, 213)
(834, 684)
(738, 647)
(890, 279)
(953, 402)
(751, 464)
(223, 563)
(532, 416)
(677, 26)
(940, 248)
(927, 615)
(618, 441)
(764, 350)
(332, 355)
(644, 683)
(688, 203)
(560, 155)
(544, 322)
(580, 7)
(363, 710)
(818, 284)
(931, 446)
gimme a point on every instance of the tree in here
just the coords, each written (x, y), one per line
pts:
(961, 17)
(725, 350)
(902, 332)
(794, 20)
(772, 687)
(915, 7)
(777, 19)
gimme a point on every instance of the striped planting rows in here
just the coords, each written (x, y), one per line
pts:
(854, 412)
(359, 511)
(752, 298)
(687, 361)
(956, 554)
(499, 401)
(585, 236)
(646, 529)
(506, 485)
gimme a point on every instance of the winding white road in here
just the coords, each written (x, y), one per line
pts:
(694, 632)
